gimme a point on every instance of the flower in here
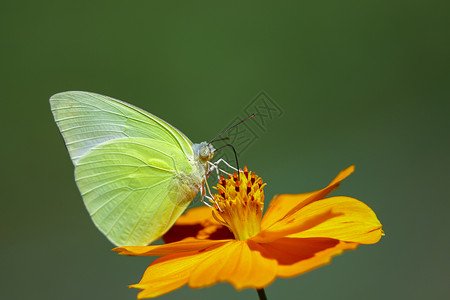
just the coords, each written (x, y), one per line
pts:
(232, 242)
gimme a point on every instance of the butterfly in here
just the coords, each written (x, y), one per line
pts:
(136, 173)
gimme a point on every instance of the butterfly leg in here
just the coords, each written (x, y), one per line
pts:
(213, 166)
(206, 203)
(212, 199)
(202, 190)
(216, 163)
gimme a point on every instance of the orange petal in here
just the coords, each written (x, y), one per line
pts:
(182, 246)
(349, 220)
(240, 263)
(198, 231)
(297, 256)
(169, 273)
(195, 216)
(285, 204)
(198, 223)
(291, 225)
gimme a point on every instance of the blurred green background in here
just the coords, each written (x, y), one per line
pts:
(360, 82)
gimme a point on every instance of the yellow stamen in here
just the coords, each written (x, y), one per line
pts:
(239, 204)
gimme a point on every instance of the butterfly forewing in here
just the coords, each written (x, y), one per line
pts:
(88, 119)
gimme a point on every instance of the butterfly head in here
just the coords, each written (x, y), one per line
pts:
(205, 151)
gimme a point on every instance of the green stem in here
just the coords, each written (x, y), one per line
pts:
(262, 294)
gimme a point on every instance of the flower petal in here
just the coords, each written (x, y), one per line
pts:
(284, 204)
(291, 225)
(198, 223)
(348, 220)
(296, 256)
(169, 273)
(182, 246)
(196, 215)
(240, 263)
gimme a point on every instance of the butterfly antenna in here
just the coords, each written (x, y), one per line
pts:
(222, 139)
(235, 155)
(232, 126)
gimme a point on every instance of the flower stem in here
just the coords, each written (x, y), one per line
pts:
(262, 294)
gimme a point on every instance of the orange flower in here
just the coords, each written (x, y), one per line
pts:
(233, 244)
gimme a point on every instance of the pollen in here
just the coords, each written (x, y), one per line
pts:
(239, 203)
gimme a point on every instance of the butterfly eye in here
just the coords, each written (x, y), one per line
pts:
(206, 152)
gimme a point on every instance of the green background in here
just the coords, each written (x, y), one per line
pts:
(360, 82)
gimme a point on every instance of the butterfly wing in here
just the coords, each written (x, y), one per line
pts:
(133, 169)
(134, 188)
(88, 119)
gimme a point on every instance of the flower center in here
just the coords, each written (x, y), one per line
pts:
(239, 203)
